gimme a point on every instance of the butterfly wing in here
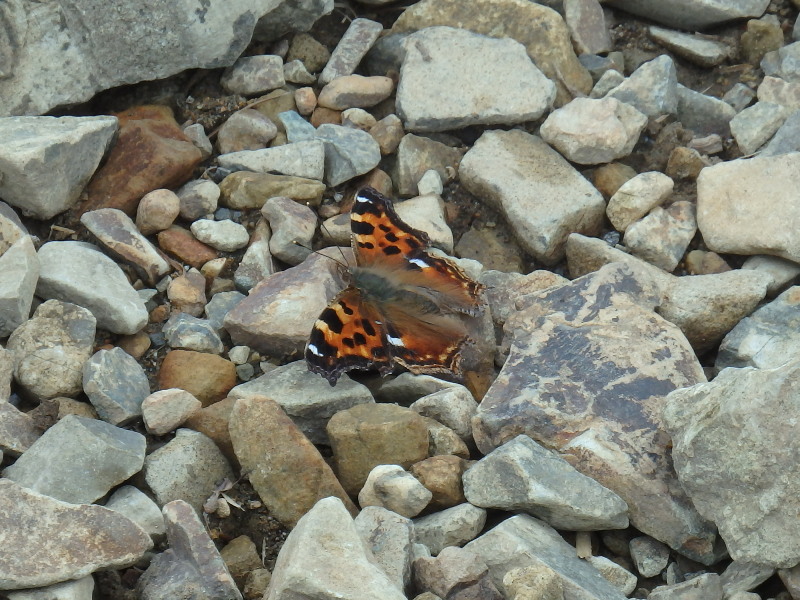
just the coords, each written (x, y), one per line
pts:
(347, 335)
(381, 239)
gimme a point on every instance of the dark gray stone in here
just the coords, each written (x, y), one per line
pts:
(116, 385)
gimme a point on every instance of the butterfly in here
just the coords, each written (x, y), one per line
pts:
(401, 306)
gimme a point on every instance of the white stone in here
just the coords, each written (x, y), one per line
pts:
(393, 488)
(225, 235)
(166, 410)
(636, 197)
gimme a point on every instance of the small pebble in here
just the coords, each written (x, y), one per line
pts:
(157, 211)
(225, 236)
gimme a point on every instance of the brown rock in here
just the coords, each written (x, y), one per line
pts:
(701, 262)
(187, 293)
(180, 243)
(136, 344)
(685, 163)
(306, 100)
(456, 574)
(762, 36)
(151, 152)
(244, 190)
(322, 115)
(157, 211)
(159, 314)
(285, 469)
(442, 476)
(368, 435)
(388, 132)
(308, 50)
(213, 422)
(241, 557)
(609, 178)
(207, 377)
(355, 91)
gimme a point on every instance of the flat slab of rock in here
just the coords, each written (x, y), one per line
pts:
(762, 194)
(53, 541)
(542, 196)
(498, 82)
(34, 148)
(19, 274)
(301, 159)
(692, 14)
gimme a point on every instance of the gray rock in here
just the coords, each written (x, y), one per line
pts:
(348, 152)
(252, 75)
(139, 508)
(692, 14)
(187, 468)
(224, 235)
(55, 62)
(704, 114)
(393, 488)
(246, 129)
(796, 31)
(50, 349)
(407, 387)
(54, 540)
(725, 432)
(306, 397)
(781, 271)
(301, 159)
(593, 131)
(79, 273)
(116, 385)
(541, 195)
(352, 47)
(753, 126)
(525, 542)
(79, 460)
(390, 537)
(783, 63)
(191, 567)
(649, 556)
(19, 274)
(766, 339)
(257, 263)
(703, 587)
(700, 50)
(34, 148)
(295, 72)
(197, 135)
(662, 237)
(293, 226)
(743, 577)
(609, 80)
(415, 156)
(587, 26)
(762, 192)
(297, 128)
(739, 96)
(453, 407)
(199, 197)
(779, 91)
(117, 232)
(290, 15)
(426, 213)
(786, 139)
(311, 559)
(651, 89)
(618, 576)
(190, 333)
(6, 373)
(453, 526)
(522, 475)
(453, 573)
(79, 589)
(219, 306)
(165, 410)
(11, 228)
(18, 430)
(636, 197)
(498, 82)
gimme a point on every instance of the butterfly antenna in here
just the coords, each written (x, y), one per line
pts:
(336, 260)
(328, 231)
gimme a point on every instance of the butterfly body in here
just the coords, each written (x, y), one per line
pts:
(400, 306)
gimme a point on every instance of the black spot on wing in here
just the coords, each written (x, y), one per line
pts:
(349, 342)
(367, 245)
(362, 228)
(368, 328)
(347, 310)
(391, 237)
(332, 320)
(359, 338)
(391, 250)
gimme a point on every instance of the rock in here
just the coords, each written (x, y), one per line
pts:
(651, 89)
(388, 132)
(198, 198)
(442, 476)
(690, 14)
(187, 468)
(191, 566)
(251, 75)
(207, 377)
(79, 273)
(190, 333)
(426, 213)
(685, 163)
(242, 190)
(181, 244)
(79, 460)
(139, 508)
(761, 190)
(415, 156)
(301, 159)
(355, 91)
(19, 274)
(587, 26)
(649, 556)
(166, 410)
(225, 235)
(606, 83)
(78, 589)
(541, 30)
(285, 469)
(150, 152)
(296, 127)
(389, 536)
(522, 475)
(762, 36)
(524, 393)
(743, 576)
(117, 232)
(510, 90)
(444, 441)
(455, 573)
(50, 349)
(700, 50)
(450, 527)
(609, 178)
(257, 263)
(706, 586)
(521, 176)
(36, 147)
(453, 407)
(293, 226)
(241, 557)
(55, 540)
(18, 430)
(522, 542)
(310, 560)
(705, 424)
(780, 270)
(618, 576)
(296, 72)
(778, 91)
(755, 125)
(219, 306)
(306, 100)
(785, 139)
(589, 131)
(393, 488)
(703, 114)
(359, 439)
(353, 45)
(212, 421)
(783, 62)
(739, 96)
(197, 135)
(348, 152)
(246, 129)
(358, 118)
(187, 293)
(662, 237)
(305, 397)
(636, 197)
(116, 385)
(309, 51)
(287, 17)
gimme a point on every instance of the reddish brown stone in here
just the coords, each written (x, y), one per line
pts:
(151, 152)
(442, 476)
(207, 377)
(322, 115)
(181, 244)
(213, 422)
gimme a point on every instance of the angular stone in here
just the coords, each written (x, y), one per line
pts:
(19, 274)
(453, 407)
(355, 91)
(293, 226)
(79, 460)
(18, 430)
(786, 139)
(636, 197)
(34, 148)
(541, 195)
(706, 586)
(651, 89)
(77, 589)
(78, 272)
(415, 156)
(207, 377)
(246, 129)
(649, 556)
(755, 125)
(181, 244)
(662, 237)
(587, 26)
(450, 527)
(257, 263)
(510, 89)
(348, 152)
(692, 14)
(390, 537)
(391, 487)
(139, 508)
(442, 476)
(778, 91)
(353, 45)
(251, 75)
(301, 159)
(190, 333)
(455, 573)
(166, 410)
(198, 198)
(116, 385)
(699, 50)
(307, 49)
(704, 114)
(187, 292)
(54, 540)
(286, 470)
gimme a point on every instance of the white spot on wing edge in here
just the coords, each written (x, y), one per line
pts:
(395, 341)
(314, 350)
(419, 262)
(360, 198)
